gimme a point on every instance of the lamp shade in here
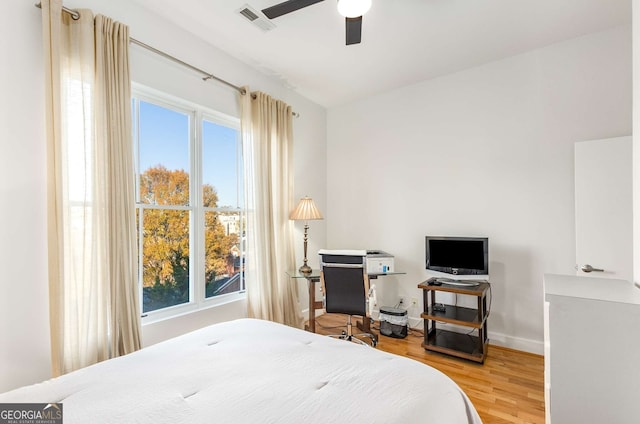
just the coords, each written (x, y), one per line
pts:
(305, 211)
(353, 8)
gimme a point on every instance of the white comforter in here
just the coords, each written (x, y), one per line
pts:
(252, 371)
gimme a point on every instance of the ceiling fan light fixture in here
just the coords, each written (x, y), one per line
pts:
(353, 8)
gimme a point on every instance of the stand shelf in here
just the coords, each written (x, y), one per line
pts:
(462, 345)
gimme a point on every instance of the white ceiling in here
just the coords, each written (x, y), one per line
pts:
(403, 41)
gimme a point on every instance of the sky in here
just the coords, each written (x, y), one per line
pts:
(164, 140)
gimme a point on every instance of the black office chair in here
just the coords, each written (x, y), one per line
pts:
(345, 285)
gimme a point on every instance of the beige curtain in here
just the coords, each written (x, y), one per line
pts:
(94, 309)
(267, 140)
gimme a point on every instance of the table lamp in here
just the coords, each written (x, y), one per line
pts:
(305, 211)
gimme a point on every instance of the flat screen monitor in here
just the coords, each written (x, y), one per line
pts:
(458, 255)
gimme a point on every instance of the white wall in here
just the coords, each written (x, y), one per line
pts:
(636, 143)
(24, 324)
(24, 331)
(483, 152)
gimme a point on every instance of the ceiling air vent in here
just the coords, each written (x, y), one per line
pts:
(256, 18)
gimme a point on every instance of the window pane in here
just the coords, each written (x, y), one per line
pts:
(220, 163)
(168, 134)
(165, 258)
(223, 258)
(163, 155)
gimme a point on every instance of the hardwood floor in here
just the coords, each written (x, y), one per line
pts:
(507, 388)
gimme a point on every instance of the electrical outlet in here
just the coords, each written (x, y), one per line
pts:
(401, 301)
(414, 302)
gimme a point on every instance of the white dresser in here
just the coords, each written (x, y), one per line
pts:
(592, 350)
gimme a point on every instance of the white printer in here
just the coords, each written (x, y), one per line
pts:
(379, 262)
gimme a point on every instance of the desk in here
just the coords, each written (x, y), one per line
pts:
(312, 279)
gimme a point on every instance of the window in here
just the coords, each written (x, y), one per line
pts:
(189, 209)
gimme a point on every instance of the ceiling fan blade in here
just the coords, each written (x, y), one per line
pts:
(287, 7)
(353, 30)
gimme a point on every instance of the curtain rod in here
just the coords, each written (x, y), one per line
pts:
(207, 75)
(76, 15)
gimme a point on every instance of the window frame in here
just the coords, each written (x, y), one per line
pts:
(197, 115)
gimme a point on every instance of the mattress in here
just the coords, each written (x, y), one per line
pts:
(254, 371)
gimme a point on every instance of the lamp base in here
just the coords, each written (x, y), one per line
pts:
(305, 270)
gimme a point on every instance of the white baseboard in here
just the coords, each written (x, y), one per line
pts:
(517, 343)
(305, 313)
(497, 339)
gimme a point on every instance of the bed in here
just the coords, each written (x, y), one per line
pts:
(254, 371)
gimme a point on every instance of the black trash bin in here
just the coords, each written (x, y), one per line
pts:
(393, 322)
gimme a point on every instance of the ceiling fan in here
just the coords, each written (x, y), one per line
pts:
(352, 10)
